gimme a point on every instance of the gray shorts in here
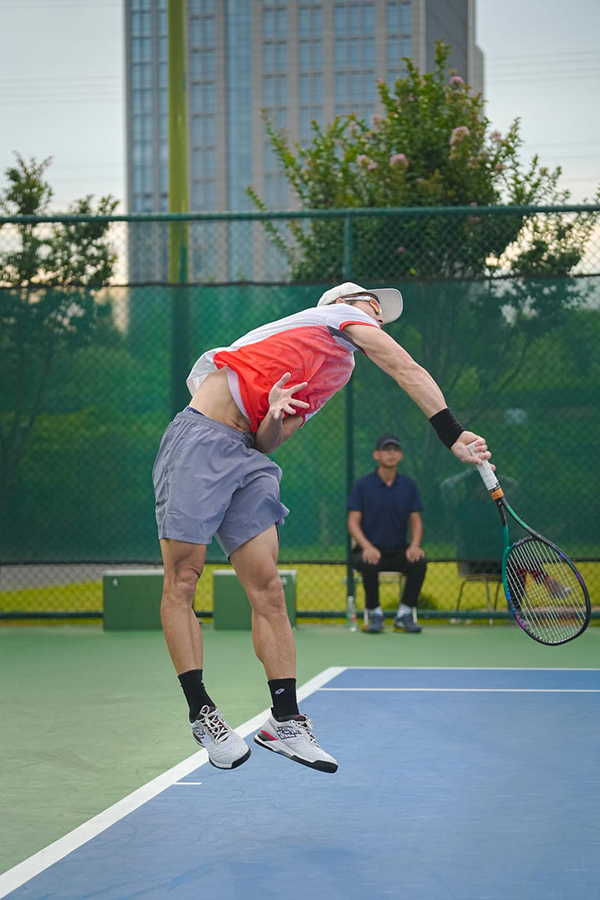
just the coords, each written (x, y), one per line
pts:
(210, 481)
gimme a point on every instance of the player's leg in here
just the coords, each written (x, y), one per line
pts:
(183, 565)
(286, 731)
(255, 563)
(415, 572)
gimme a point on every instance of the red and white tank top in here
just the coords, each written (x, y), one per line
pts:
(310, 345)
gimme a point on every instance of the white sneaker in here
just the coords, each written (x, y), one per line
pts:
(225, 748)
(294, 739)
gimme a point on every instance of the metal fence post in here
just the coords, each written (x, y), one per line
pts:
(349, 415)
(178, 202)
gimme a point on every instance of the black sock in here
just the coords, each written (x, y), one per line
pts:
(283, 693)
(195, 692)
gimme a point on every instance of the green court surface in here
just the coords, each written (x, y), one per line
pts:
(88, 716)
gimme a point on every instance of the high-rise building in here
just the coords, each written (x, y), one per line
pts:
(299, 61)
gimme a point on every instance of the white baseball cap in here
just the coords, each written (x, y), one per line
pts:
(390, 299)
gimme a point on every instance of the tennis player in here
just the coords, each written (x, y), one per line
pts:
(213, 477)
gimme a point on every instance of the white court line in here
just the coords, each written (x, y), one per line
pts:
(29, 868)
(479, 690)
(468, 669)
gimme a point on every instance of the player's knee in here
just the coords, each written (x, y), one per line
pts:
(179, 585)
(268, 598)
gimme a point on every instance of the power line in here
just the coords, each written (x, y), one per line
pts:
(63, 5)
(67, 79)
(530, 56)
(553, 70)
(566, 143)
(547, 77)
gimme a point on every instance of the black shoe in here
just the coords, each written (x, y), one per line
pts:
(406, 623)
(376, 624)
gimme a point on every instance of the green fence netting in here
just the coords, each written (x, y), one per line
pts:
(83, 406)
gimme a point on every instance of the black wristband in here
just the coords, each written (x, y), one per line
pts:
(447, 427)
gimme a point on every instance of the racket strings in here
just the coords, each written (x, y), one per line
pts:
(545, 592)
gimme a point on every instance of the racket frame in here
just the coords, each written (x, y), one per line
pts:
(504, 507)
(497, 494)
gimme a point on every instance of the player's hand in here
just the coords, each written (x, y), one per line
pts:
(281, 399)
(371, 555)
(414, 552)
(480, 452)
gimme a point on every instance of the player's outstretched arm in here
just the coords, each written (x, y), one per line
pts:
(421, 387)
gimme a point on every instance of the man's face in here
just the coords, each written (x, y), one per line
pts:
(389, 455)
(367, 302)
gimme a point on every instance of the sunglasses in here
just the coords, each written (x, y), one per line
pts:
(374, 304)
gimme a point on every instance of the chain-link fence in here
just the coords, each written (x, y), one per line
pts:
(501, 306)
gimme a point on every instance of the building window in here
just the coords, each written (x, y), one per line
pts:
(275, 22)
(310, 21)
(308, 115)
(202, 104)
(276, 191)
(201, 7)
(399, 44)
(141, 50)
(354, 58)
(354, 19)
(311, 89)
(274, 56)
(141, 24)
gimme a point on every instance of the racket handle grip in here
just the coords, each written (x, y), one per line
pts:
(488, 476)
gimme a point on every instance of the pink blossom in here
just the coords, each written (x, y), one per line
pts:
(499, 167)
(401, 250)
(411, 98)
(496, 135)
(456, 79)
(353, 127)
(473, 203)
(458, 134)
(376, 119)
(398, 158)
(363, 160)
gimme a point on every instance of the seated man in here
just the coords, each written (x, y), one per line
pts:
(380, 507)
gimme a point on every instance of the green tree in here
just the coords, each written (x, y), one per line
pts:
(480, 288)
(48, 281)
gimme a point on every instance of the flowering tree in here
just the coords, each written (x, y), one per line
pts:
(434, 147)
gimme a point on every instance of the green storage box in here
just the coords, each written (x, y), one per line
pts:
(231, 606)
(132, 599)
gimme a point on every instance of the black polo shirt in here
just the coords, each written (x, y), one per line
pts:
(385, 510)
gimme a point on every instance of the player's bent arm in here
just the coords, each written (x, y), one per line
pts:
(396, 362)
(273, 432)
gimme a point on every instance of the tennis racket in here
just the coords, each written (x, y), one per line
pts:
(544, 590)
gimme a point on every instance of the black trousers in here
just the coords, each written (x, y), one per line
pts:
(392, 560)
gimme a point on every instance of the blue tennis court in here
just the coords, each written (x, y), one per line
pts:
(477, 784)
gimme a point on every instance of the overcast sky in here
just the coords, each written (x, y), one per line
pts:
(61, 87)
